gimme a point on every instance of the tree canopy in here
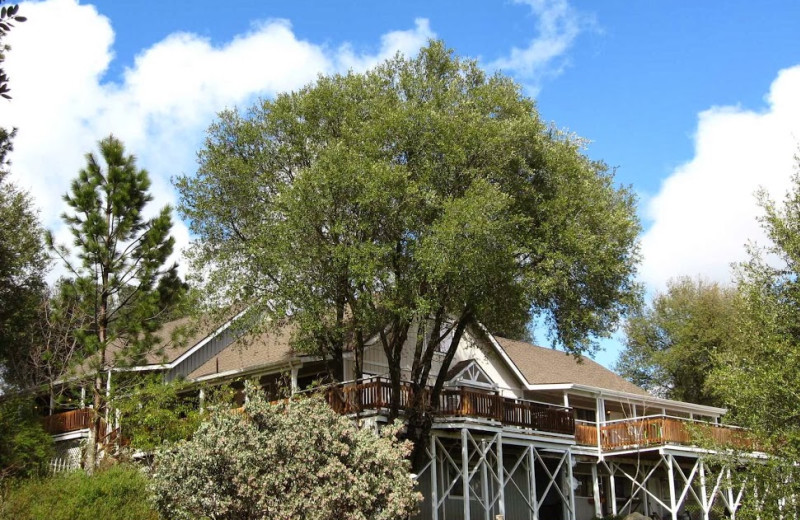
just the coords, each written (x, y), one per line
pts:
(672, 344)
(23, 263)
(758, 378)
(422, 191)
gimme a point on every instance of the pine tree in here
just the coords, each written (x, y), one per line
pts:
(118, 264)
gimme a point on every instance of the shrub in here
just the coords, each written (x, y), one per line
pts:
(25, 448)
(119, 492)
(282, 461)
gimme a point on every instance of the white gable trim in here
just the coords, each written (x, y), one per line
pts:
(473, 363)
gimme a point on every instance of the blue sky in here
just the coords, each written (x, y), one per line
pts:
(695, 103)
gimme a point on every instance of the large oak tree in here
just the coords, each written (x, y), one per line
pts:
(422, 191)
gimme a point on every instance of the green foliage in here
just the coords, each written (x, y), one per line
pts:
(293, 459)
(155, 413)
(23, 262)
(420, 189)
(119, 492)
(758, 378)
(25, 448)
(120, 271)
(671, 345)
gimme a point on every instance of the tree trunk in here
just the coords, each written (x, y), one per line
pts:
(420, 419)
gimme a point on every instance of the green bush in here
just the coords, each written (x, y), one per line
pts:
(25, 448)
(119, 492)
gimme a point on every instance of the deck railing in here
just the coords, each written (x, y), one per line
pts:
(70, 421)
(659, 430)
(375, 394)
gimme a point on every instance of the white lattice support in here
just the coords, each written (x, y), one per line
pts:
(553, 477)
(687, 488)
(447, 462)
(639, 486)
(528, 492)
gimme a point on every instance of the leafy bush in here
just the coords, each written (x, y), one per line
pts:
(288, 460)
(25, 448)
(119, 492)
(155, 413)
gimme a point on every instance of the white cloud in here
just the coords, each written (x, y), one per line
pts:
(406, 42)
(705, 210)
(164, 101)
(557, 25)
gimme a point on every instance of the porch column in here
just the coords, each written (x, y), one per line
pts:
(598, 506)
(703, 491)
(465, 471)
(295, 387)
(501, 500)
(83, 397)
(566, 399)
(201, 397)
(485, 480)
(434, 480)
(600, 420)
(612, 485)
(532, 481)
(673, 508)
(570, 485)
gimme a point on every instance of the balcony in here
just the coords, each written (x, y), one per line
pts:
(375, 394)
(66, 422)
(659, 430)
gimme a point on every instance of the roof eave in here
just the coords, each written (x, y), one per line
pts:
(631, 396)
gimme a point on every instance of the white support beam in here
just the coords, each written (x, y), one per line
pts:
(487, 511)
(434, 480)
(673, 508)
(598, 506)
(707, 501)
(465, 471)
(532, 481)
(570, 486)
(501, 491)
(613, 488)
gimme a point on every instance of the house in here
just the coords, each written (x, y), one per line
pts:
(521, 431)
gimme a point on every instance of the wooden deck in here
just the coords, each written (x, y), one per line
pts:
(375, 394)
(658, 431)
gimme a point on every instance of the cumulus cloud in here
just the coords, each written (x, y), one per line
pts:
(705, 210)
(162, 103)
(557, 25)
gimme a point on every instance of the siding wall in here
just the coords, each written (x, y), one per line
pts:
(375, 362)
(204, 353)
